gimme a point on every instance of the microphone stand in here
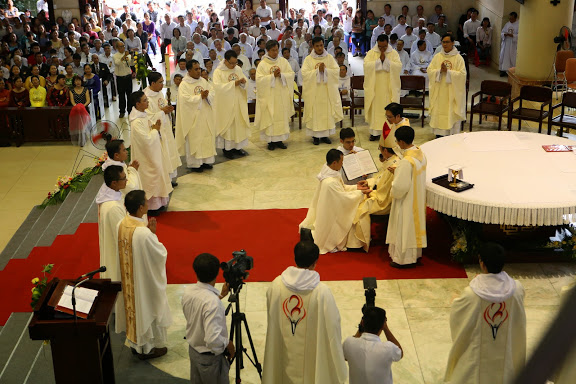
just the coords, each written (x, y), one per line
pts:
(74, 301)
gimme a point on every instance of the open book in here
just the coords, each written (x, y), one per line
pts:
(85, 298)
(359, 164)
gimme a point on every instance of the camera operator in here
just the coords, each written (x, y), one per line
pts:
(303, 339)
(206, 331)
(370, 359)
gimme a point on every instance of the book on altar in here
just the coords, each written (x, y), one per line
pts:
(359, 164)
(85, 298)
(558, 148)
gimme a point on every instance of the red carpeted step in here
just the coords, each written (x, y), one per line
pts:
(268, 236)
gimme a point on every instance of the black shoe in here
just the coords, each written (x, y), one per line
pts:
(228, 154)
(197, 170)
(156, 352)
(240, 152)
(121, 115)
(326, 140)
(174, 184)
(316, 141)
(207, 166)
(161, 61)
(503, 74)
(271, 146)
(280, 145)
(402, 266)
(374, 138)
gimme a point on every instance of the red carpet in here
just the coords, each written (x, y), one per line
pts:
(267, 235)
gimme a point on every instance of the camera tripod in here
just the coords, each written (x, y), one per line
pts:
(239, 319)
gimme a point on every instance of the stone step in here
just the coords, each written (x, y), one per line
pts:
(58, 220)
(13, 332)
(19, 236)
(19, 366)
(36, 231)
(82, 206)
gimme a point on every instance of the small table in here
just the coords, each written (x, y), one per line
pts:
(515, 181)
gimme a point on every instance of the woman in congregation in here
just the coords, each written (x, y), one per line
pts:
(69, 76)
(59, 95)
(42, 37)
(51, 77)
(35, 71)
(37, 93)
(133, 43)
(68, 52)
(4, 94)
(371, 23)
(149, 27)
(19, 96)
(357, 33)
(92, 82)
(246, 16)
(79, 93)
(14, 74)
(484, 40)
(178, 44)
(56, 42)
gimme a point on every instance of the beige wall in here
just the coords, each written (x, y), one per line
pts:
(62, 5)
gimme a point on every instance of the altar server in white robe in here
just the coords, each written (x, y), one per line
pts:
(406, 234)
(488, 325)
(117, 155)
(320, 93)
(509, 44)
(146, 314)
(274, 97)
(159, 109)
(147, 150)
(382, 67)
(420, 60)
(447, 74)
(333, 208)
(195, 128)
(303, 334)
(110, 212)
(231, 105)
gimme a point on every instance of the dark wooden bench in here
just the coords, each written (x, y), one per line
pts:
(29, 124)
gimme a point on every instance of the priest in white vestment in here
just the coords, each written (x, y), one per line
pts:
(147, 150)
(146, 314)
(303, 338)
(117, 155)
(159, 109)
(447, 74)
(347, 146)
(509, 45)
(488, 325)
(382, 69)
(195, 128)
(231, 105)
(320, 93)
(406, 234)
(274, 97)
(110, 212)
(333, 208)
(394, 120)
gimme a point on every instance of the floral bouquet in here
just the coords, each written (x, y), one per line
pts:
(567, 242)
(40, 284)
(141, 68)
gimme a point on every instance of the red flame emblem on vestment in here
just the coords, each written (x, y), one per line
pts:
(294, 311)
(495, 315)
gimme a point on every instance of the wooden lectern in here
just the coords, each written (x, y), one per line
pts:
(81, 351)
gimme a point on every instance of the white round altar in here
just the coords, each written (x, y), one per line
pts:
(516, 182)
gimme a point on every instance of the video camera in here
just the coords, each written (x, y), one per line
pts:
(234, 270)
(370, 286)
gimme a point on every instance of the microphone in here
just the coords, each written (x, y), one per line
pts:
(90, 275)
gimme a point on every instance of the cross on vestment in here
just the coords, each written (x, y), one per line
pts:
(555, 2)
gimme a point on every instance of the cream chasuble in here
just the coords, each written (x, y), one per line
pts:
(406, 234)
(111, 211)
(156, 101)
(303, 339)
(321, 95)
(332, 211)
(231, 105)
(146, 314)
(447, 93)
(195, 127)
(381, 86)
(133, 181)
(388, 138)
(274, 99)
(377, 203)
(488, 327)
(147, 149)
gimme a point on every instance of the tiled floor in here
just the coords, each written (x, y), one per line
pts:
(418, 310)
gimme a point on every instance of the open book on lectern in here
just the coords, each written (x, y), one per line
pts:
(359, 164)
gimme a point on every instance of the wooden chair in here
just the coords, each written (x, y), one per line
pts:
(345, 108)
(251, 110)
(534, 94)
(570, 74)
(560, 69)
(356, 84)
(298, 106)
(413, 83)
(489, 91)
(563, 120)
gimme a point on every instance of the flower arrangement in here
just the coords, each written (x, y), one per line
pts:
(66, 184)
(567, 242)
(40, 284)
(466, 242)
(141, 69)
